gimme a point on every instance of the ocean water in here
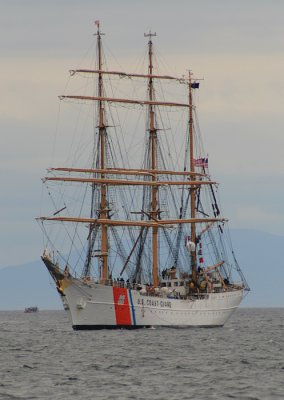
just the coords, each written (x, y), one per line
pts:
(41, 357)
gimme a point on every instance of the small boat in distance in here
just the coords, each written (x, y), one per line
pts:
(134, 234)
(31, 309)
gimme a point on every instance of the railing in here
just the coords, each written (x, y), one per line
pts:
(147, 290)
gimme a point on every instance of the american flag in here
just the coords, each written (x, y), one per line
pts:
(201, 162)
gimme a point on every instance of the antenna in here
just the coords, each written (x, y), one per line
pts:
(97, 23)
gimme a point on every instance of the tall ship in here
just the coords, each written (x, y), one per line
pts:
(134, 235)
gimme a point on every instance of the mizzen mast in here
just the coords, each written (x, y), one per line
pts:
(192, 169)
(153, 164)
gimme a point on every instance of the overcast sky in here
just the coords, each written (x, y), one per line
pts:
(237, 46)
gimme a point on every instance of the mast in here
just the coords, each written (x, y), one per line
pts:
(103, 214)
(153, 146)
(192, 170)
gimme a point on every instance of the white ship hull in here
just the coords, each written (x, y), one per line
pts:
(96, 306)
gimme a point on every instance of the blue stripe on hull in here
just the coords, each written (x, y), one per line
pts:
(132, 307)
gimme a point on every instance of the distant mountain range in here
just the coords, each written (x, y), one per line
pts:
(28, 285)
(259, 254)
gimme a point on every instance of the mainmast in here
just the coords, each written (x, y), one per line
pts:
(103, 212)
(192, 170)
(153, 165)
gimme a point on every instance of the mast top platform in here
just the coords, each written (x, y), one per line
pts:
(150, 34)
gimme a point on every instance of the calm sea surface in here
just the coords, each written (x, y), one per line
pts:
(41, 357)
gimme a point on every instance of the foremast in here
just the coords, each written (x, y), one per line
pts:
(103, 213)
(101, 165)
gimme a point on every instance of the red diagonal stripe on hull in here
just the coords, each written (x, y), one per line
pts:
(122, 307)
